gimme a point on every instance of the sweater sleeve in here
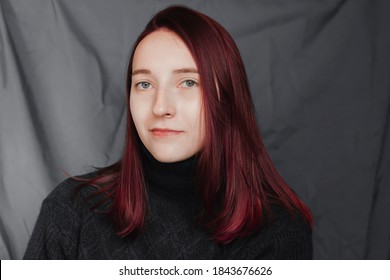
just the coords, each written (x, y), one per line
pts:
(55, 233)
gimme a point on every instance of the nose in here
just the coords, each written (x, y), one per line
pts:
(163, 105)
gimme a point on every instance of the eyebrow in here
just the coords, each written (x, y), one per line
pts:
(176, 71)
(185, 70)
(141, 71)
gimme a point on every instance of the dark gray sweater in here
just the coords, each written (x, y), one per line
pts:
(67, 229)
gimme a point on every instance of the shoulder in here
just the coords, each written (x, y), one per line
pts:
(56, 232)
(282, 220)
(288, 235)
(67, 207)
(70, 193)
(284, 235)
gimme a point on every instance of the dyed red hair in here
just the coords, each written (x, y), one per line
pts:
(234, 170)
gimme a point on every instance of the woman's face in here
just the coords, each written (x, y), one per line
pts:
(165, 98)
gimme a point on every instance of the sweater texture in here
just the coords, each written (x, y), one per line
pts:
(67, 228)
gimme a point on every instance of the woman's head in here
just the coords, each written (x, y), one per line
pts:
(175, 38)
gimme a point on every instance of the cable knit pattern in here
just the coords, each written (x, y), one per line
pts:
(67, 229)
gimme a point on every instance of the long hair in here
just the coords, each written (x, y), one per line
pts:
(235, 176)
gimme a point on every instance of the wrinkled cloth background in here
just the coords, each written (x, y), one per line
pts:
(320, 78)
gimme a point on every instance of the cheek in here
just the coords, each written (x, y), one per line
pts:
(198, 127)
(202, 131)
(136, 112)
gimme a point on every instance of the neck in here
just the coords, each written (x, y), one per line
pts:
(169, 178)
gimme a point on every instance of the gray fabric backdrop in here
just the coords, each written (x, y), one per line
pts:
(320, 78)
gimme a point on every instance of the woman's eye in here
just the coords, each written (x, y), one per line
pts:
(143, 85)
(188, 83)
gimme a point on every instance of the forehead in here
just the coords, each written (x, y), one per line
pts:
(162, 48)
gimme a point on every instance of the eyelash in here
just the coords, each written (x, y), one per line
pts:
(139, 85)
(194, 83)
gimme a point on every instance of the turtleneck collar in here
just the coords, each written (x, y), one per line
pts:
(169, 178)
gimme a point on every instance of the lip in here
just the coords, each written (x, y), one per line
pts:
(165, 132)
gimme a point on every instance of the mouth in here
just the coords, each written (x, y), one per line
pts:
(165, 132)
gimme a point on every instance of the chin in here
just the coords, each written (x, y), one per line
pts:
(169, 157)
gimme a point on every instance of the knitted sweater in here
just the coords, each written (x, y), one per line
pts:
(67, 228)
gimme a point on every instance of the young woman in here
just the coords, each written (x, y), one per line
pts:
(195, 180)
